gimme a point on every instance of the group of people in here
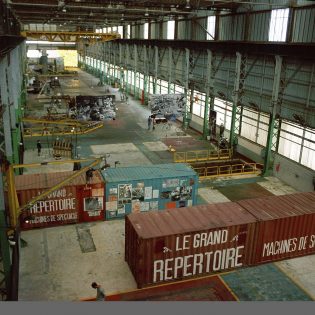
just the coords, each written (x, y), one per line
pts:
(151, 121)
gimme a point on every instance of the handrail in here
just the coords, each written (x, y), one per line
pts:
(202, 155)
(206, 172)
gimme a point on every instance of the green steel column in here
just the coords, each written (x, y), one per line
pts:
(205, 128)
(127, 62)
(156, 66)
(274, 123)
(115, 68)
(209, 88)
(170, 69)
(120, 66)
(186, 87)
(145, 77)
(4, 245)
(237, 99)
(135, 65)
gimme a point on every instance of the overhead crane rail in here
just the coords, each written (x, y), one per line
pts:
(71, 36)
(59, 127)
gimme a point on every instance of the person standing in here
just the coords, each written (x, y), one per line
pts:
(39, 147)
(149, 122)
(100, 294)
(222, 128)
(153, 122)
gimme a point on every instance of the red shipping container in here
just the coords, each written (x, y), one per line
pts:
(178, 243)
(74, 202)
(285, 227)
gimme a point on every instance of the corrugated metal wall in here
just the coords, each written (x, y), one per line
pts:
(231, 27)
(183, 30)
(153, 30)
(164, 31)
(200, 29)
(304, 25)
(259, 27)
(141, 31)
(299, 94)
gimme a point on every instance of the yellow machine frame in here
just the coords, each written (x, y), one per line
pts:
(71, 36)
(59, 127)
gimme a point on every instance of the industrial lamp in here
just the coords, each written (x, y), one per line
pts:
(187, 6)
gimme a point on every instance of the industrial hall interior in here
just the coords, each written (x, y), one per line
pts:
(157, 150)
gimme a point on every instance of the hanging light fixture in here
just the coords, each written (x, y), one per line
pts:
(187, 6)
(146, 12)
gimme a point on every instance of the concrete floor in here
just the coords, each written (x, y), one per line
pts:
(60, 263)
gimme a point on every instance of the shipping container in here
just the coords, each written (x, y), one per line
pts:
(149, 187)
(192, 241)
(77, 201)
(285, 227)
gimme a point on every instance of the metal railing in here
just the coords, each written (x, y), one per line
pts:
(228, 170)
(202, 155)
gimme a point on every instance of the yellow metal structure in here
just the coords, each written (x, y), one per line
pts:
(207, 172)
(202, 155)
(46, 127)
(14, 209)
(89, 37)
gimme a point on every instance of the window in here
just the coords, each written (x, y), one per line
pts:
(249, 124)
(210, 27)
(146, 31)
(224, 112)
(308, 150)
(128, 31)
(170, 29)
(278, 25)
(120, 31)
(290, 141)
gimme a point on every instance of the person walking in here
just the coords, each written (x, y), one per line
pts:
(149, 122)
(100, 294)
(39, 147)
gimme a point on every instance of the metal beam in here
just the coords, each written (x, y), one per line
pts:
(236, 120)
(63, 36)
(295, 50)
(209, 88)
(274, 123)
(186, 86)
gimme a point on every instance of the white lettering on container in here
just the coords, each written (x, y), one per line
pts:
(279, 247)
(173, 268)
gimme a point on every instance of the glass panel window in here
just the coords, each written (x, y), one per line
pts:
(278, 25)
(146, 31)
(249, 124)
(290, 141)
(128, 32)
(224, 112)
(121, 31)
(210, 27)
(262, 133)
(179, 89)
(170, 29)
